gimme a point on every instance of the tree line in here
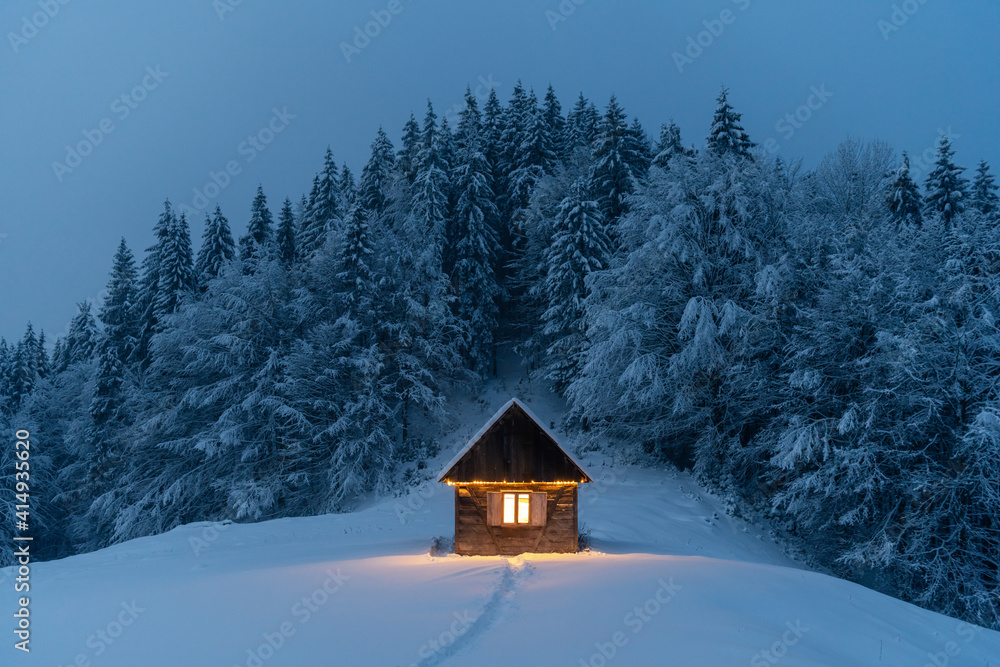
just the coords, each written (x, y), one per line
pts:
(817, 344)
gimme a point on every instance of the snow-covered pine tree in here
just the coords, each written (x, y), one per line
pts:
(408, 152)
(446, 145)
(516, 115)
(176, 270)
(420, 338)
(475, 241)
(669, 146)
(582, 124)
(257, 243)
(376, 177)
(984, 191)
(430, 193)
(946, 188)
(348, 403)
(80, 338)
(121, 332)
(904, 199)
(215, 434)
(347, 187)
(217, 248)
(324, 209)
(639, 152)
(150, 283)
(834, 449)
(287, 251)
(79, 343)
(580, 246)
(20, 381)
(669, 321)
(532, 158)
(42, 361)
(55, 412)
(492, 134)
(727, 136)
(945, 532)
(6, 373)
(555, 123)
(492, 130)
(201, 261)
(613, 176)
(355, 269)
(365, 454)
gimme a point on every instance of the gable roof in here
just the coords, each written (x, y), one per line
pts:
(537, 456)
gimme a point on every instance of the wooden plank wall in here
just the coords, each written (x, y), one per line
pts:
(473, 537)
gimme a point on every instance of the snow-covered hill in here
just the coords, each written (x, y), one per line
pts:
(670, 580)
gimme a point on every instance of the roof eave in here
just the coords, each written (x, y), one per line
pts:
(443, 477)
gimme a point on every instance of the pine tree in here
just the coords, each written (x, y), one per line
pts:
(492, 134)
(80, 342)
(376, 177)
(582, 123)
(23, 369)
(410, 149)
(669, 146)
(475, 239)
(6, 374)
(946, 188)
(518, 110)
(150, 284)
(176, 270)
(57, 353)
(256, 243)
(984, 191)
(121, 333)
(345, 386)
(42, 361)
(446, 145)
(516, 116)
(324, 209)
(534, 156)
(348, 188)
(613, 176)
(639, 151)
(727, 136)
(904, 196)
(218, 428)
(217, 248)
(286, 235)
(430, 191)
(419, 337)
(79, 332)
(555, 123)
(356, 257)
(118, 312)
(580, 246)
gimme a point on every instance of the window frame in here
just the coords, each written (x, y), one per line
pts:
(521, 518)
(536, 509)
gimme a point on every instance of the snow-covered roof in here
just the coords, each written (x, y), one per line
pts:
(493, 420)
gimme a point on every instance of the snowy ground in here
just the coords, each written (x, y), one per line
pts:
(670, 581)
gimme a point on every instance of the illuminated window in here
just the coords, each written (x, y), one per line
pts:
(509, 508)
(516, 507)
(522, 507)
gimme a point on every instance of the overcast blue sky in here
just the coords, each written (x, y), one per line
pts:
(198, 81)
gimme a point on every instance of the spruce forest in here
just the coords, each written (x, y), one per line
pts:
(819, 346)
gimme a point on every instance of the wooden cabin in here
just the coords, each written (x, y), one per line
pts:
(515, 488)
